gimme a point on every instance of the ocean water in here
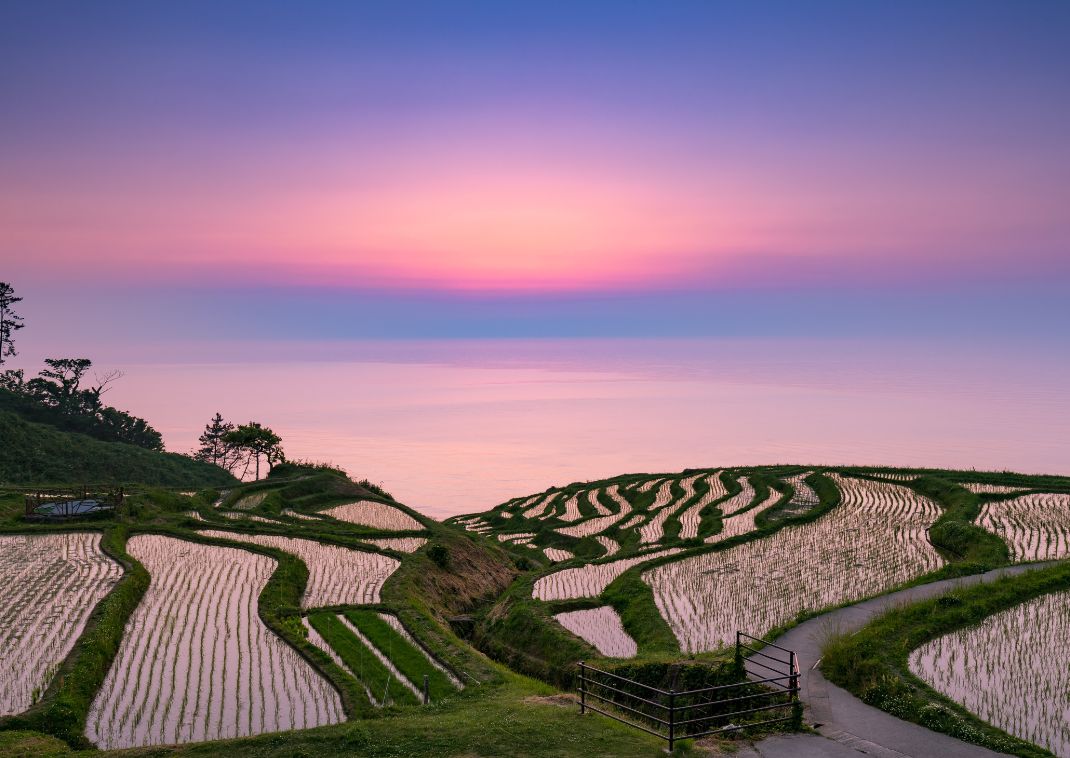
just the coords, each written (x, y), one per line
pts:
(457, 426)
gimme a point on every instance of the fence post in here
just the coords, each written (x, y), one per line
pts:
(672, 718)
(796, 703)
(427, 691)
(739, 654)
(583, 688)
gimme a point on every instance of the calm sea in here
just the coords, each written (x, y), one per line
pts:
(458, 426)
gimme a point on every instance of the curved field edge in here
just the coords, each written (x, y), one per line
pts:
(63, 707)
(520, 630)
(873, 663)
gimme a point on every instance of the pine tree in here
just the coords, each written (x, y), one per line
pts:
(214, 446)
(10, 321)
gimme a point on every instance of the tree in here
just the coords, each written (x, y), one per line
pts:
(256, 441)
(214, 447)
(59, 385)
(10, 321)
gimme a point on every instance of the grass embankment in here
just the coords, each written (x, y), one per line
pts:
(65, 703)
(873, 663)
(412, 663)
(35, 453)
(379, 680)
(508, 721)
(968, 548)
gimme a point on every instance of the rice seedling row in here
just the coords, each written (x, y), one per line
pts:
(381, 684)
(374, 514)
(51, 584)
(873, 541)
(602, 628)
(649, 485)
(1035, 527)
(1010, 670)
(336, 575)
(741, 522)
(653, 530)
(249, 502)
(610, 545)
(539, 510)
(557, 555)
(386, 634)
(396, 624)
(517, 538)
(589, 580)
(235, 516)
(398, 544)
(596, 504)
(407, 692)
(197, 663)
(301, 516)
(692, 517)
(601, 523)
(982, 488)
(804, 493)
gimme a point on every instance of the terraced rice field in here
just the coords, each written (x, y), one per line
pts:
(875, 539)
(541, 509)
(740, 522)
(654, 529)
(249, 502)
(600, 627)
(395, 623)
(557, 554)
(804, 493)
(610, 546)
(690, 520)
(235, 516)
(197, 663)
(398, 544)
(336, 575)
(374, 514)
(990, 489)
(51, 583)
(589, 580)
(1010, 670)
(1035, 527)
(600, 523)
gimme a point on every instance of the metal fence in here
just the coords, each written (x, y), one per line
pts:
(674, 715)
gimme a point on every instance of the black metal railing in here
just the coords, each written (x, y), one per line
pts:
(674, 715)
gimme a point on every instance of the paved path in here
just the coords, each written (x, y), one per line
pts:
(845, 724)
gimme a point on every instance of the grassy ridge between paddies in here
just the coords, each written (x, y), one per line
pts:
(412, 663)
(35, 453)
(873, 663)
(520, 629)
(382, 684)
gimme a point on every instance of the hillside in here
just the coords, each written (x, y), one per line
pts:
(33, 453)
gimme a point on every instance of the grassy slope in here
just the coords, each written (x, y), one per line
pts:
(37, 453)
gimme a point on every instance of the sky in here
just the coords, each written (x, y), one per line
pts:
(336, 170)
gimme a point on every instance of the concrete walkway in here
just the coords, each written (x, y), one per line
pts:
(845, 724)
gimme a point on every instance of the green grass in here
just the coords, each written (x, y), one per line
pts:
(37, 453)
(520, 719)
(408, 660)
(873, 663)
(383, 685)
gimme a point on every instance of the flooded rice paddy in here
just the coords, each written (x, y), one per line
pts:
(196, 661)
(51, 583)
(1011, 670)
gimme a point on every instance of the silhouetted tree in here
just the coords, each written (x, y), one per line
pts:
(256, 441)
(214, 447)
(10, 322)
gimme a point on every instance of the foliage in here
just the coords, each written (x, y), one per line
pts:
(10, 321)
(34, 453)
(253, 441)
(57, 397)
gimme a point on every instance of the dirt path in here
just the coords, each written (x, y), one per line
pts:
(846, 724)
